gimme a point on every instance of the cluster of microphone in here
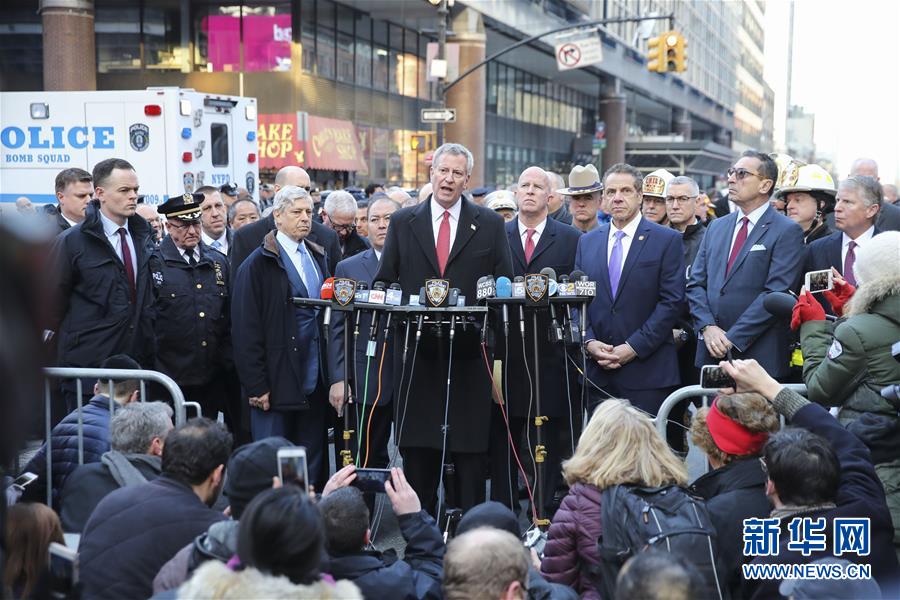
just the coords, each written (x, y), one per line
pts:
(574, 285)
(379, 295)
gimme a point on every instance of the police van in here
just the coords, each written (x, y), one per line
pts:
(177, 139)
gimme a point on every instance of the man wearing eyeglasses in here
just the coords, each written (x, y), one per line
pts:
(744, 256)
(340, 215)
(191, 283)
(681, 200)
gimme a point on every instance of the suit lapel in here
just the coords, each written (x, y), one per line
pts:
(758, 231)
(465, 229)
(834, 252)
(424, 234)
(641, 234)
(515, 245)
(603, 255)
(547, 238)
(370, 262)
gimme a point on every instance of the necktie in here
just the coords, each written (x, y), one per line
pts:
(849, 261)
(190, 258)
(529, 245)
(442, 248)
(217, 245)
(128, 261)
(310, 274)
(738, 244)
(615, 263)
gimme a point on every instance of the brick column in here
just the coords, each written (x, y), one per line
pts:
(469, 96)
(70, 61)
(612, 112)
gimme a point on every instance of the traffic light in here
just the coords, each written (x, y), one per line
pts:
(655, 61)
(666, 53)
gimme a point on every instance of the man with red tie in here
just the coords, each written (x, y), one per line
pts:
(744, 256)
(102, 267)
(445, 237)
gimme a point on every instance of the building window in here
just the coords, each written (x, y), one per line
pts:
(345, 58)
(380, 69)
(266, 31)
(21, 41)
(164, 47)
(325, 50)
(217, 38)
(118, 37)
(308, 36)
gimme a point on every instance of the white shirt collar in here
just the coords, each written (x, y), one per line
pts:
(755, 215)
(109, 227)
(539, 228)
(195, 252)
(222, 239)
(630, 228)
(377, 254)
(437, 211)
(864, 237)
(67, 219)
(286, 242)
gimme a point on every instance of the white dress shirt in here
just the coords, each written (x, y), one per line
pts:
(538, 230)
(753, 218)
(437, 215)
(68, 220)
(111, 230)
(860, 241)
(290, 248)
(185, 253)
(223, 240)
(377, 254)
(630, 229)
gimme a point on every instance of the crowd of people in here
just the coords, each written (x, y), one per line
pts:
(212, 288)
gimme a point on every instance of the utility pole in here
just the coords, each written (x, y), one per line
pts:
(442, 11)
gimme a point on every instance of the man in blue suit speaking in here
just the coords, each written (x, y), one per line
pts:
(638, 267)
(744, 256)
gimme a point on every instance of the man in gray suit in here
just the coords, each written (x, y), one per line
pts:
(744, 256)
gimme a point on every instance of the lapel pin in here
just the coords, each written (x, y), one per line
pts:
(640, 238)
(473, 227)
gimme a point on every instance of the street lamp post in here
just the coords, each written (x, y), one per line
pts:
(443, 10)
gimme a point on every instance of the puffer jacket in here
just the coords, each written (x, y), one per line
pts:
(64, 443)
(217, 580)
(570, 556)
(848, 367)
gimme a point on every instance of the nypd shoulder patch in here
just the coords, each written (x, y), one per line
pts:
(835, 350)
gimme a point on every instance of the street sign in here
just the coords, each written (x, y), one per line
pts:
(577, 52)
(438, 115)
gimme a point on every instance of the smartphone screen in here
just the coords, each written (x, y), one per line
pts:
(292, 469)
(371, 480)
(713, 377)
(63, 571)
(819, 281)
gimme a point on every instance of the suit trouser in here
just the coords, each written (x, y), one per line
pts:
(422, 467)
(303, 427)
(504, 470)
(649, 402)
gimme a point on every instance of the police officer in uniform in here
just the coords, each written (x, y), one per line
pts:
(192, 286)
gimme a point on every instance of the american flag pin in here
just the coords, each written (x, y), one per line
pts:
(640, 238)
(473, 228)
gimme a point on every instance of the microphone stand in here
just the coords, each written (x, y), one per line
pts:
(540, 449)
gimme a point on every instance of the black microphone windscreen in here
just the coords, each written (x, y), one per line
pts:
(550, 272)
(577, 275)
(779, 304)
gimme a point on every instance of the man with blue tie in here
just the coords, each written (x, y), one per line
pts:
(214, 232)
(753, 251)
(639, 269)
(279, 350)
(372, 380)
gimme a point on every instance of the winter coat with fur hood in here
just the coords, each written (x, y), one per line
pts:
(215, 580)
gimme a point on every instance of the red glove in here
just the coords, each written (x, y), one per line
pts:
(839, 297)
(806, 309)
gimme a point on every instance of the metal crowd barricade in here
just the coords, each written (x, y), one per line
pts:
(694, 391)
(109, 376)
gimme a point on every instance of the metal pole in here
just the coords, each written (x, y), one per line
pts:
(346, 452)
(443, 11)
(540, 451)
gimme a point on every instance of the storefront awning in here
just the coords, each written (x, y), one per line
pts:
(331, 144)
(681, 158)
(308, 141)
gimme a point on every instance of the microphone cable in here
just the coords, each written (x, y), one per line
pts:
(509, 432)
(377, 398)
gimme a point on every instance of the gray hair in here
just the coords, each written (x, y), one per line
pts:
(339, 202)
(556, 181)
(286, 196)
(454, 150)
(861, 163)
(685, 180)
(867, 187)
(232, 210)
(135, 425)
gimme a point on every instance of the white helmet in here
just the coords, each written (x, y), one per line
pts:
(657, 183)
(808, 178)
